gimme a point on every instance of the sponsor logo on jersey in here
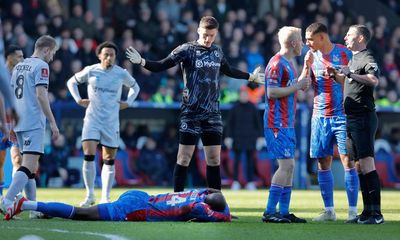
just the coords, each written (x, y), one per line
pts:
(200, 63)
(104, 90)
(216, 53)
(45, 72)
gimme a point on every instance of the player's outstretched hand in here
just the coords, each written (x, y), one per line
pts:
(133, 55)
(257, 76)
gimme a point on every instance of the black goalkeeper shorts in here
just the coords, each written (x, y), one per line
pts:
(209, 130)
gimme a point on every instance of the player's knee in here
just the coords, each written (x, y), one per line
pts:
(184, 158)
(183, 161)
(89, 158)
(213, 161)
(109, 162)
(287, 167)
(26, 171)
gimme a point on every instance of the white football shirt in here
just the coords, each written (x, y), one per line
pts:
(26, 76)
(104, 93)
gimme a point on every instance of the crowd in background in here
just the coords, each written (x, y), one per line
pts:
(247, 36)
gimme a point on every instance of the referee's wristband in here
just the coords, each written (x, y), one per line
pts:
(349, 75)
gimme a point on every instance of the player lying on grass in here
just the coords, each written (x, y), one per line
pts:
(202, 205)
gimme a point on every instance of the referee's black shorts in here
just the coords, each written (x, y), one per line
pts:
(361, 129)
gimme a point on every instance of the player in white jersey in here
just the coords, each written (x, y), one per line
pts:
(29, 82)
(101, 122)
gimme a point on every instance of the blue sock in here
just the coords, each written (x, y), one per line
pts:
(352, 184)
(1, 188)
(325, 180)
(275, 193)
(284, 201)
(56, 209)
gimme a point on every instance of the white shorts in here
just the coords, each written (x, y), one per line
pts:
(106, 135)
(32, 141)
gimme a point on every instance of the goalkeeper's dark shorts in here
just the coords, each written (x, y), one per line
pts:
(208, 129)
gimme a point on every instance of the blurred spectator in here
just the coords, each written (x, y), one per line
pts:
(54, 164)
(172, 9)
(253, 57)
(146, 29)
(56, 25)
(89, 25)
(76, 20)
(169, 143)
(163, 95)
(255, 92)
(128, 136)
(152, 162)
(242, 134)
(87, 53)
(57, 81)
(394, 139)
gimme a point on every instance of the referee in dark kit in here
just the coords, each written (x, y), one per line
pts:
(360, 78)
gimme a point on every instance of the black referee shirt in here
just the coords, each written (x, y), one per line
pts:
(358, 97)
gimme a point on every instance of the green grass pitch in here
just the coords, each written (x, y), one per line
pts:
(248, 206)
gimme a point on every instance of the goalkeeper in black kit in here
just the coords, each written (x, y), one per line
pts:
(201, 62)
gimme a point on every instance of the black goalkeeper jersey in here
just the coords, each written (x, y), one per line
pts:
(358, 97)
(201, 67)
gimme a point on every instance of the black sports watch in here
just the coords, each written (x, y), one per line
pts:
(349, 74)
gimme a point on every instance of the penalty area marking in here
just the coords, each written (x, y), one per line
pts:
(104, 235)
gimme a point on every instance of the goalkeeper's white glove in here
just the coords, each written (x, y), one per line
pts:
(133, 55)
(257, 76)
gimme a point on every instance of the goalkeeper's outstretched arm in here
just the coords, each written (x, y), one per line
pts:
(154, 66)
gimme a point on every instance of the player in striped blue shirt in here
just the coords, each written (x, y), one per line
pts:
(328, 123)
(203, 205)
(282, 85)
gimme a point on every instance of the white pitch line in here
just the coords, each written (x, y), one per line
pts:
(105, 235)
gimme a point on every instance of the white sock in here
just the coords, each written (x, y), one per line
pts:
(30, 189)
(107, 178)
(18, 183)
(352, 209)
(89, 174)
(29, 205)
(330, 209)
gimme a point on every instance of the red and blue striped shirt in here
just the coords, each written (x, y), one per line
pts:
(280, 112)
(180, 206)
(328, 94)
